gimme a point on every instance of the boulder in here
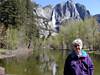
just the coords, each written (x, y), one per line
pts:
(2, 71)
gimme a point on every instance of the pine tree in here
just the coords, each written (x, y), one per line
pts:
(8, 12)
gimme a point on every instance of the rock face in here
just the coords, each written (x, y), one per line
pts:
(83, 13)
(44, 20)
(97, 16)
(64, 11)
(50, 18)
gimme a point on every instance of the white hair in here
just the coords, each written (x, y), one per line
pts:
(78, 41)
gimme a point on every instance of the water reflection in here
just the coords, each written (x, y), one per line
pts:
(31, 67)
(96, 60)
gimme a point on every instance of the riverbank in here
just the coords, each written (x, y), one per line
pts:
(20, 52)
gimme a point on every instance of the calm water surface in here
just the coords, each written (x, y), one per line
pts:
(29, 66)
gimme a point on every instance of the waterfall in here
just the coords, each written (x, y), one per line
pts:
(53, 20)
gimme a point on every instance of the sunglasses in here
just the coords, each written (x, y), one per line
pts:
(76, 45)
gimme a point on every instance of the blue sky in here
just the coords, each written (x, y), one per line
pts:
(92, 5)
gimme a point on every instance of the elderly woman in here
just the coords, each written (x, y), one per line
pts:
(78, 61)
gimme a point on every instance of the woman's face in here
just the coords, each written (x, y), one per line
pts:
(77, 47)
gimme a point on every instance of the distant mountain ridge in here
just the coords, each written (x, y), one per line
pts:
(52, 17)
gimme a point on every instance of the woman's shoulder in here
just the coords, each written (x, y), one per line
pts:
(72, 55)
